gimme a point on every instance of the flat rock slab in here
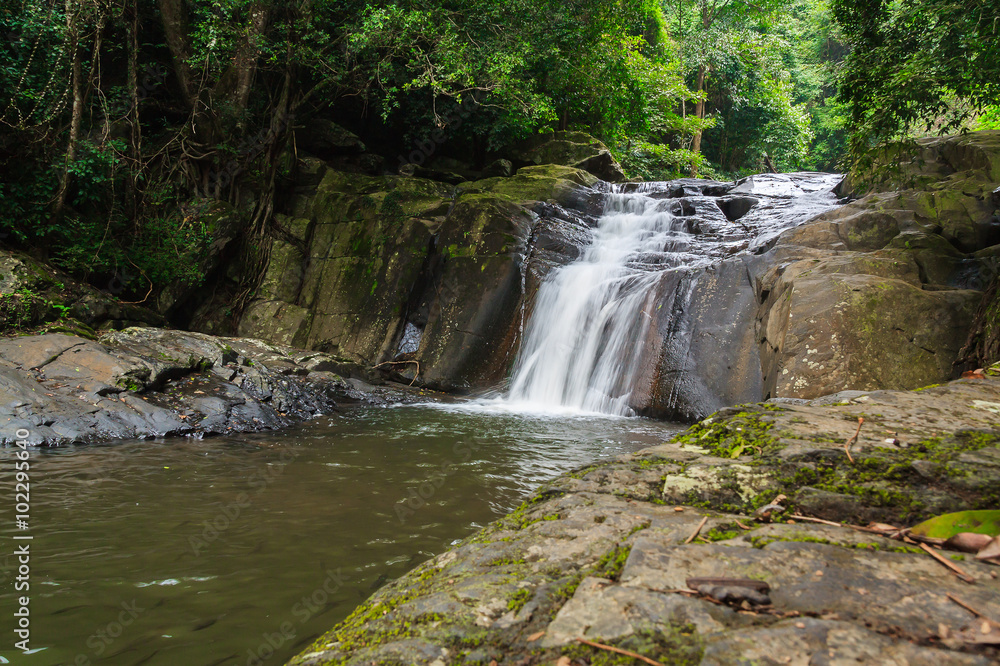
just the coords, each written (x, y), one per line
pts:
(604, 554)
(148, 382)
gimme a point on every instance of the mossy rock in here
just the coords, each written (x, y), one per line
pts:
(536, 183)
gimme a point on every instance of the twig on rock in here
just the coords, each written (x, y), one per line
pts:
(401, 363)
(627, 653)
(853, 440)
(966, 606)
(697, 530)
(948, 563)
(796, 516)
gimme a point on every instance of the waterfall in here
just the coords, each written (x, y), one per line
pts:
(585, 343)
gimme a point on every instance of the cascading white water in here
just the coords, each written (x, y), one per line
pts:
(584, 341)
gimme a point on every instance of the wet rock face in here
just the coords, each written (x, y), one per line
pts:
(878, 293)
(373, 256)
(881, 292)
(151, 382)
(608, 553)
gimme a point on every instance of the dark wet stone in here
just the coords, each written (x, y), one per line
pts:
(151, 382)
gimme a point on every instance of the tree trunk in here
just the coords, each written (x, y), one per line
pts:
(135, 128)
(247, 55)
(232, 91)
(175, 27)
(74, 126)
(699, 112)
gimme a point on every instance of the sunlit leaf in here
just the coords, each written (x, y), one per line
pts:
(950, 524)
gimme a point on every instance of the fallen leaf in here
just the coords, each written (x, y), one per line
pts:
(948, 525)
(982, 632)
(534, 637)
(990, 552)
(733, 591)
(882, 527)
(564, 661)
(974, 374)
(968, 542)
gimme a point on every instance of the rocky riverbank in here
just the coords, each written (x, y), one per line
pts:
(605, 554)
(151, 382)
(432, 274)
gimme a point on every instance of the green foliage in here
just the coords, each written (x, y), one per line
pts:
(916, 66)
(989, 119)
(758, 117)
(769, 73)
(529, 65)
(653, 161)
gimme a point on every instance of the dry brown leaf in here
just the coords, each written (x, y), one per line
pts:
(990, 553)
(982, 632)
(968, 542)
(564, 661)
(535, 636)
(882, 527)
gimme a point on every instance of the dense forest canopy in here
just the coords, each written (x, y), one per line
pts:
(124, 121)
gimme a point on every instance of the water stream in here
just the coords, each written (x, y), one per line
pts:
(238, 549)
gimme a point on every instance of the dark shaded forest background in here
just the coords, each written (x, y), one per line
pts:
(125, 122)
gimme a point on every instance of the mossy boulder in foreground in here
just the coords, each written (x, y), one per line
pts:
(600, 553)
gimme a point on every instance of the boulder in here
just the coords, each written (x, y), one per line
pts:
(36, 296)
(498, 168)
(573, 149)
(327, 139)
(344, 287)
(881, 292)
